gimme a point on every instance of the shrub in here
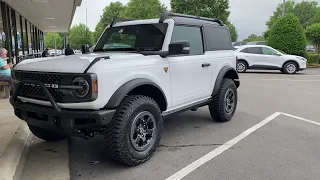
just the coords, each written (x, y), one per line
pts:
(287, 35)
(314, 59)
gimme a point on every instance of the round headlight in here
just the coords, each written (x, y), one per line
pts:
(81, 92)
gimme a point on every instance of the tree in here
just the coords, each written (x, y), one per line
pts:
(218, 9)
(49, 40)
(143, 9)
(304, 10)
(233, 31)
(254, 37)
(316, 17)
(78, 37)
(109, 13)
(288, 35)
(278, 12)
(313, 34)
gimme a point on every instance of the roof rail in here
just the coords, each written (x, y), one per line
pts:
(166, 14)
(118, 19)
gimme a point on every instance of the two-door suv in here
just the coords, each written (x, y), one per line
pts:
(139, 72)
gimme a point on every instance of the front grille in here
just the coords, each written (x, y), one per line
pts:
(35, 91)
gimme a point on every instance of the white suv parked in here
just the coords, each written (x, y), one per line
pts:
(139, 72)
(268, 58)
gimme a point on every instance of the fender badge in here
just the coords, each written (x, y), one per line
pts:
(165, 69)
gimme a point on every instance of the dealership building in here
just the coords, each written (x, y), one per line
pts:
(23, 24)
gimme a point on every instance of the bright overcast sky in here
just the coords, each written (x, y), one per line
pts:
(249, 16)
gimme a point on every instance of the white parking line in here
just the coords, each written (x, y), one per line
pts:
(196, 164)
(302, 80)
(302, 119)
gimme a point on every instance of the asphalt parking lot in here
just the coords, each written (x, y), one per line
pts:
(273, 135)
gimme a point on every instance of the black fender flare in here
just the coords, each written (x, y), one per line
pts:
(230, 72)
(298, 66)
(123, 90)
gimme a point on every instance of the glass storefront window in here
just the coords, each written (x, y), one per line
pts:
(2, 33)
(19, 42)
(29, 38)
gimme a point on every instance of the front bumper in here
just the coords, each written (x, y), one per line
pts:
(69, 122)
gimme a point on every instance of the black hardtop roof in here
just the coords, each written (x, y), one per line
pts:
(180, 19)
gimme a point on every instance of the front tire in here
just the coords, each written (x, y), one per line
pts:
(290, 68)
(46, 135)
(135, 131)
(224, 104)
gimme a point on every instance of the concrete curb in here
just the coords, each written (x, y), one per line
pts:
(13, 158)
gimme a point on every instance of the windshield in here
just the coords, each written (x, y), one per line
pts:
(142, 37)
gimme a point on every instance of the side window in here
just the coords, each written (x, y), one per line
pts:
(254, 50)
(191, 34)
(268, 51)
(244, 50)
(218, 38)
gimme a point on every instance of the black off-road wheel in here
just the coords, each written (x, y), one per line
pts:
(224, 104)
(135, 131)
(46, 135)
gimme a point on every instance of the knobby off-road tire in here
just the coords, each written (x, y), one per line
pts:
(220, 108)
(135, 131)
(46, 135)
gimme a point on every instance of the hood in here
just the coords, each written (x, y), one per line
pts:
(288, 56)
(71, 64)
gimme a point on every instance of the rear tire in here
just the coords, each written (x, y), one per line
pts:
(46, 135)
(135, 131)
(242, 67)
(290, 68)
(224, 104)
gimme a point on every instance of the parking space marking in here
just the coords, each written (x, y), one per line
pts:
(196, 164)
(302, 80)
(302, 119)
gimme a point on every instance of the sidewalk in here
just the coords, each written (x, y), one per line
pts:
(14, 142)
(9, 123)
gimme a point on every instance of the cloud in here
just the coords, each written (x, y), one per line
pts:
(249, 16)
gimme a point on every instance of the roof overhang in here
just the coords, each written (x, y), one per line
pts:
(47, 15)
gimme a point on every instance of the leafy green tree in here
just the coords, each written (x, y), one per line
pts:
(77, 36)
(316, 17)
(49, 40)
(143, 9)
(218, 9)
(109, 13)
(233, 31)
(254, 37)
(313, 35)
(288, 35)
(305, 11)
(266, 34)
(278, 12)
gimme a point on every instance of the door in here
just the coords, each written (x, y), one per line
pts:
(270, 58)
(190, 74)
(253, 55)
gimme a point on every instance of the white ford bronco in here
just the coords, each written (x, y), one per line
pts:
(139, 72)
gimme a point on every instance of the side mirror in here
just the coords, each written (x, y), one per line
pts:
(278, 54)
(179, 47)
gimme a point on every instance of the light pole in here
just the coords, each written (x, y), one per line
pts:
(283, 7)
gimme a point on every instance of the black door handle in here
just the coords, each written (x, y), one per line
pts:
(205, 64)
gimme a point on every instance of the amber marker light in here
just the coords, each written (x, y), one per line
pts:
(95, 86)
